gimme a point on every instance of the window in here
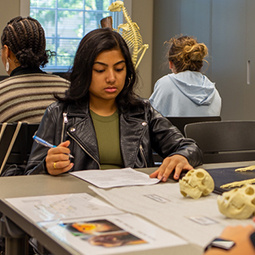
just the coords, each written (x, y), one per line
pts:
(65, 23)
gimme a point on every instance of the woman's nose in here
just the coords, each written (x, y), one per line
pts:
(110, 77)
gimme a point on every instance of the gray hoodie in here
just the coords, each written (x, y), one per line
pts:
(186, 93)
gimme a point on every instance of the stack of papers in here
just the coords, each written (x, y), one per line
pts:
(92, 226)
(115, 177)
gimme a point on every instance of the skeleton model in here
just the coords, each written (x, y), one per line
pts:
(196, 183)
(130, 33)
(240, 183)
(238, 203)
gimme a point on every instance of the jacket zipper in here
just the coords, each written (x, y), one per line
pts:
(84, 149)
(65, 120)
(141, 150)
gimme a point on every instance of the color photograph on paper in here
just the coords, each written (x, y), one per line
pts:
(102, 233)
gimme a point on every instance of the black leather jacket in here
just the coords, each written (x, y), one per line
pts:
(141, 130)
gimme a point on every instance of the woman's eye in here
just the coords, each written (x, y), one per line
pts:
(99, 70)
(119, 69)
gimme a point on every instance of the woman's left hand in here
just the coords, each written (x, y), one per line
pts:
(175, 163)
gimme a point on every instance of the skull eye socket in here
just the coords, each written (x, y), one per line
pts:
(200, 175)
(249, 191)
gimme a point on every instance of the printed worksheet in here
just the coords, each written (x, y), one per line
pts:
(115, 177)
(92, 226)
(111, 234)
(196, 220)
(63, 206)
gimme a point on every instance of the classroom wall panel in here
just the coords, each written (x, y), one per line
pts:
(227, 28)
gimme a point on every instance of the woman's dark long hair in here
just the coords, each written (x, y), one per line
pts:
(91, 45)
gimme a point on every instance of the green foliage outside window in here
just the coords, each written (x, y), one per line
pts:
(65, 23)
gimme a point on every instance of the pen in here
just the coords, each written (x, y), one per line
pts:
(46, 144)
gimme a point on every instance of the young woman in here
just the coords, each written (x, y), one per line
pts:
(186, 91)
(101, 121)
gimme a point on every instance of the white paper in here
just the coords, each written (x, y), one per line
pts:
(91, 226)
(197, 221)
(63, 206)
(115, 177)
(111, 234)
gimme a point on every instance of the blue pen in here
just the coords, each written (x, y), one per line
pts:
(46, 144)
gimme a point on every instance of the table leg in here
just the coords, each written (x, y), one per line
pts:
(16, 246)
(16, 240)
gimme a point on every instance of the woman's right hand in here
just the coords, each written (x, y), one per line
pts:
(57, 159)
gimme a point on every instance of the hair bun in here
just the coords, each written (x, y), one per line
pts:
(195, 52)
(187, 54)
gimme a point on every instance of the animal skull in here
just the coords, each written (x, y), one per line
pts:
(195, 183)
(238, 203)
(116, 6)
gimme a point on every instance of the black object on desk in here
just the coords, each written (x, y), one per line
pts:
(223, 176)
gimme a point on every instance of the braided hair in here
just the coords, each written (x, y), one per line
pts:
(25, 38)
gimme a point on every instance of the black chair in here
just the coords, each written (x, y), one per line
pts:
(16, 141)
(224, 141)
(180, 122)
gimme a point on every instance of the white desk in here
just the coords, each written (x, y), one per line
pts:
(38, 185)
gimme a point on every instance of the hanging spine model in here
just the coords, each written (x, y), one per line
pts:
(130, 33)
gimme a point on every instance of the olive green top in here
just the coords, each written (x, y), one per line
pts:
(108, 140)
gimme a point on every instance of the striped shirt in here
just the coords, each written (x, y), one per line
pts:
(25, 97)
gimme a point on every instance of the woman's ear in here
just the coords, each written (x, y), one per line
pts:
(172, 66)
(9, 59)
(6, 51)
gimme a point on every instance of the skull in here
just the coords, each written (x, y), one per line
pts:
(238, 203)
(195, 183)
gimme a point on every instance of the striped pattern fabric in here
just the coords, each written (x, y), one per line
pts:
(25, 97)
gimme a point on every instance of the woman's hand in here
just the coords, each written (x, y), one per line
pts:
(169, 164)
(241, 236)
(237, 233)
(57, 159)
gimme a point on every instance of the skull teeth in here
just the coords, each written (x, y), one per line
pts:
(226, 202)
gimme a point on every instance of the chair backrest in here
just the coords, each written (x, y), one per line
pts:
(22, 145)
(224, 141)
(180, 122)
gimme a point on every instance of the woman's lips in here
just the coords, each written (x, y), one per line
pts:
(111, 89)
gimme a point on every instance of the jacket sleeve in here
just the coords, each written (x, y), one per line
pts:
(36, 162)
(167, 140)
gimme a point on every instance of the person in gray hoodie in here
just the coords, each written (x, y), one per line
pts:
(186, 92)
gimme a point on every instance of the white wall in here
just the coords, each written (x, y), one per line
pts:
(142, 14)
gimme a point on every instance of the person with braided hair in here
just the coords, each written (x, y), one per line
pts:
(186, 92)
(28, 91)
